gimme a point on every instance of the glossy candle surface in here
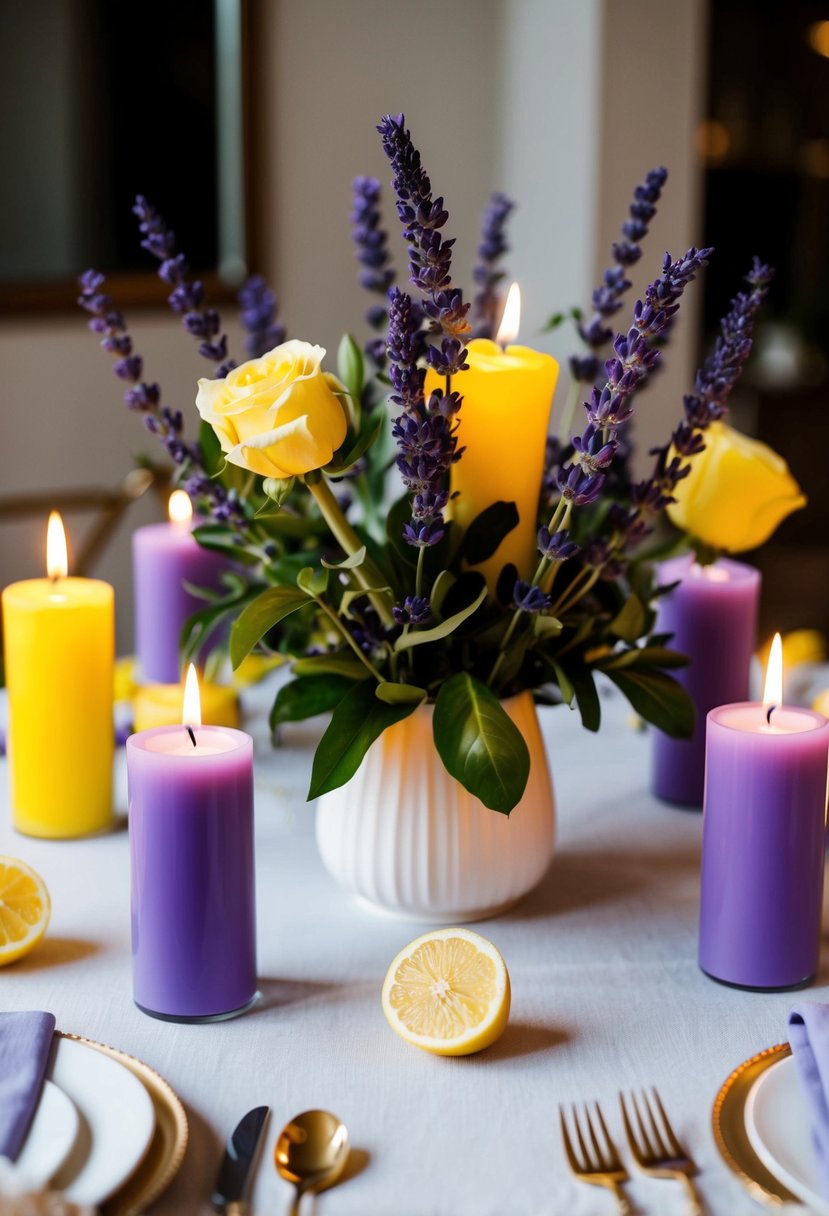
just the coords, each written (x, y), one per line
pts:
(60, 654)
(192, 871)
(164, 557)
(712, 614)
(763, 845)
(507, 395)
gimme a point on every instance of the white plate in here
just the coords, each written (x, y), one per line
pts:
(778, 1128)
(51, 1136)
(117, 1121)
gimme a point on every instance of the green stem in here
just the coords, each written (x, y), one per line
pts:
(572, 595)
(421, 553)
(335, 620)
(366, 574)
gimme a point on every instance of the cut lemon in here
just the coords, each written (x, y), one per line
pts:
(448, 992)
(24, 909)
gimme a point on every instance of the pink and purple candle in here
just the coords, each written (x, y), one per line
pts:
(712, 615)
(764, 824)
(165, 557)
(192, 870)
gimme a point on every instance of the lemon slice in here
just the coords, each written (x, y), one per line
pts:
(448, 992)
(24, 909)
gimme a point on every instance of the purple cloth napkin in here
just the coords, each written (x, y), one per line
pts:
(809, 1041)
(25, 1042)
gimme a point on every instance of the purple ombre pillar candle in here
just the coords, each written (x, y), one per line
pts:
(164, 558)
(763, 846)
(192, 873)
(712, 614)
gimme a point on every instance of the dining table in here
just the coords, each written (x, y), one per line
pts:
(607, 997)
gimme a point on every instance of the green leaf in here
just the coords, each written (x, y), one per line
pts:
(407, 640)
(219, 539)
(587, 698)
(267, 610)
(479, 744)
(400, 694)
(213, 457)
(348, 563)
(307, 696)
(440, 588)
(645, 656)
(337, 663)
(350, 367)
(629, 624)
(366, 440)
(313, 582)
(358, 720)
(659, 699)
(545, 626)
(487, 530)
(358, 593)
(565, 684)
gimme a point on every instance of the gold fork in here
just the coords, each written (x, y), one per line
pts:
(655, 1147)
(595, 1162)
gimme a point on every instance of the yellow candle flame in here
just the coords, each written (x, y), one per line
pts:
(57, 560)
(511, 318)
(191, 711)
(180, 508)
(773, 689)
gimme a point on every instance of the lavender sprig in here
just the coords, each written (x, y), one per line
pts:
(607, 297)
(258, 307)
(713, 384)
(371, 245)
(187, 296)
(493, 246)
(426, 430)
(145, 398)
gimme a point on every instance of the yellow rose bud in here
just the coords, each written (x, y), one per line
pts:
(737, 493)
(277, 415)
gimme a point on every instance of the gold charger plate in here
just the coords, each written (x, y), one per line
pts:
(163, 1158)
(728, 1121)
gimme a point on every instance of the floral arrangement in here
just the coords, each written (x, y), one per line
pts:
(383, 610)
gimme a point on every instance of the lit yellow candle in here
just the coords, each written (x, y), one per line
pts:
(160, 705)
(507, 395)
(60, 652)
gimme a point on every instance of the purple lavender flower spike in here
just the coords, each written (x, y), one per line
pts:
(607, 298)
(713, 384)
(415, 610)
(556, 546)
(258, 306)
(493, 246)
(371, 245)
(529, 598)
(186, 297)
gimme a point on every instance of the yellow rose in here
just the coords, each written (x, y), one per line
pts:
(277, 415)
(737, 493)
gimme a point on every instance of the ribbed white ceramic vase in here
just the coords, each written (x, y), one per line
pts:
(409, 839)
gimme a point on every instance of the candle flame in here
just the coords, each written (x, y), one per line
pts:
(57, 560)
(191, 711)
(511, 317)
(180, 508)
(773, 689)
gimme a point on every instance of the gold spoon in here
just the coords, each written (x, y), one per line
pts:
(311, 1151)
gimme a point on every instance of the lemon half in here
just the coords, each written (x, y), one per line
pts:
(24, 909)
(448, 992)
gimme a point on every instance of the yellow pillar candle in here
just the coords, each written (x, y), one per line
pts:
(59, 637)
(160, 705)
(507, 395)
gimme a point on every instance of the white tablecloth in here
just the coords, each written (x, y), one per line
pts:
(606, 995)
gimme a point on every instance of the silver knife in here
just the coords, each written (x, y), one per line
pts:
(237, 1164)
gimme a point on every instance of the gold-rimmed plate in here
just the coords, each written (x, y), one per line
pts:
(166, 1152)
(731, 1137)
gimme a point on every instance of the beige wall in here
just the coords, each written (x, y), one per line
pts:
(499, 94)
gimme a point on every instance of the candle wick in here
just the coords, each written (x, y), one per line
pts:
(771, 710)
(192, 735)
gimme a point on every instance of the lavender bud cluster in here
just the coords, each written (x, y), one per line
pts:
(493, 246)
(714, 382)
(187, 295)
(371, 245)
(258, 305)
(426, 430)
(581, 479)
(607, 297)
(415, 610)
